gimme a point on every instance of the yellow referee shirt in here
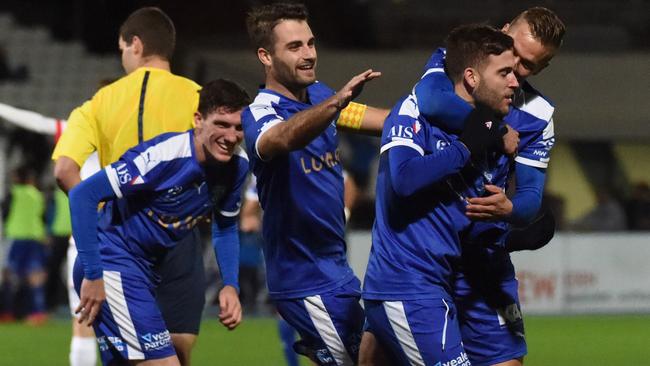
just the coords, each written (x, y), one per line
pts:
(137, 107)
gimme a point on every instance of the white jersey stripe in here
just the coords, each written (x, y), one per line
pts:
(265, 128)
(402, 142)
(262, 106)
(113, 180)
(173, 148)
(531, 162)
(434, 69)
(117, 303)
(325, 327)
(398, 322)
(537, 106)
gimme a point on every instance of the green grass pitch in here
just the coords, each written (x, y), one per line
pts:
(552, 340)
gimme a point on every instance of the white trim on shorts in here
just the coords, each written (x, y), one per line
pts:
(325, 327)
(398, 322)
(120, 311)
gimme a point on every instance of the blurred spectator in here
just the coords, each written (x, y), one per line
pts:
(608, 215)
(638, 207)
(59, 230)
(7, 74)
(27, 255)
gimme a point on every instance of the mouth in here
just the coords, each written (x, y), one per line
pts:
(306, 66)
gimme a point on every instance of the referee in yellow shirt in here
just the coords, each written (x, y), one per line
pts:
(148, 101)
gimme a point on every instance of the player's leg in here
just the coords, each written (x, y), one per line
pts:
(417, 332)
(36, 278)
(490, 317)
(181, 293)
(83, 346)
(129, 327)
(330, 324)
(370, 352)
(287, 338)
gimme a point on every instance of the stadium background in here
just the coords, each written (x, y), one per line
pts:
(55, 53)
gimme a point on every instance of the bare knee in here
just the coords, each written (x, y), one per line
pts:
(183, 343)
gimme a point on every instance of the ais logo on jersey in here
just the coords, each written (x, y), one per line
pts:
(405, 132)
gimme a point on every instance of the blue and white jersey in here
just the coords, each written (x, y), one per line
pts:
(163, 193)
(416, 239)
(301, 194)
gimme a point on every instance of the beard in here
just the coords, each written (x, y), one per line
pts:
(490, 98)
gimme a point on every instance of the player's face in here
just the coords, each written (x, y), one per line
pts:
(533, 56)
(129, 56)
(219, 133)
(293, 58)
(497, 82)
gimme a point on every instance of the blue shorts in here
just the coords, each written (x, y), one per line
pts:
(27, 256)
(331, 324)
(485, 293)
(129, 325)
(417, 332)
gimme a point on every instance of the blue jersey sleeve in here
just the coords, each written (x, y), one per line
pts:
(528, 197)
(225, 241)
(437, 101)
(534, 147)
(230, 204)
(84, 199)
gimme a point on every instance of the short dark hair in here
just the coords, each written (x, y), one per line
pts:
(154, 28)
(470, 45)
(222, 93)
(544, 25)
(261, 20)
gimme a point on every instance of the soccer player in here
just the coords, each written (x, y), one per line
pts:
(155, 194)
(148, 101)
(426, 175)
(291, 135)
(486, 288)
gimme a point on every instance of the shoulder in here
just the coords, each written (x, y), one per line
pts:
(320, 90)
(534, 103)
(264, 104)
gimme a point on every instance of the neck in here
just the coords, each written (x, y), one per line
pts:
(156, 63)
(199, 153)
(298, 93)
(463, 91)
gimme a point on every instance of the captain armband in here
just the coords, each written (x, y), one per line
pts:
(352, 115)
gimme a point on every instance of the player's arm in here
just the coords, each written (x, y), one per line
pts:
(225, 240)
(523, 206)
(84, 199)
(438, 102)
(299, 130)
(361, 118)
(74, 147)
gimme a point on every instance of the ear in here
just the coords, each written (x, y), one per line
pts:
(471, 77)
(138, 46)
(264, 56)
(505, 28)
(198, 120)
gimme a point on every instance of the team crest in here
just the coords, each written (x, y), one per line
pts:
(417, 126)
(488, 124)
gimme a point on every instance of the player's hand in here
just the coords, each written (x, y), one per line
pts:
(90, 300)
(230, 308)
(483, 131)
(510, 141)
(353, 88)
(496, 206)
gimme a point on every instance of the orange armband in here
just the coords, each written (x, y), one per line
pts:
(352, 115)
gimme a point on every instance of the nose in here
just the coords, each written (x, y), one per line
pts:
(512, 82)
(233, 136)
(309, 52)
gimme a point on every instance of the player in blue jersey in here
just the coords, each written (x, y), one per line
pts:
(486, 288)
(426, 175)
(291, 134)
(155, 194)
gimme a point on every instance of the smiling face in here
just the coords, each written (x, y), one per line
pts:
(217, 135)
(292, 60)
(533, 55)
(497, 82)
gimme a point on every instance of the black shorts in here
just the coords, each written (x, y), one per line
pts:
(181, 292)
